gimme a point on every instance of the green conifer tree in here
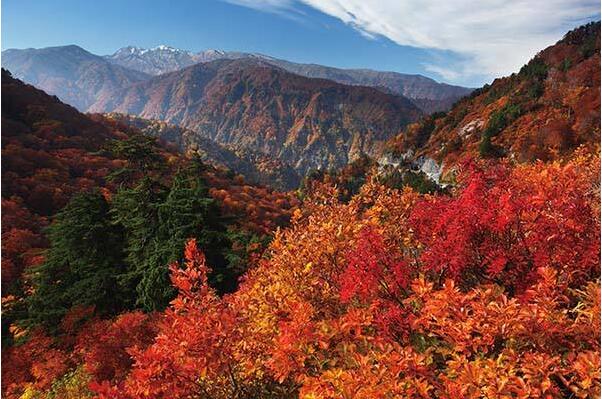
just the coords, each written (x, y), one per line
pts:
(82, 264)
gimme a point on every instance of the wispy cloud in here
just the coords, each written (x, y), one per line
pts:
(449, 74)
(494, 37)
(283, 8)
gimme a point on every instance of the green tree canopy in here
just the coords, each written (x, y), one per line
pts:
(82, 264)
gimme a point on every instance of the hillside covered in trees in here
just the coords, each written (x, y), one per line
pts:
(110, 190)
(547, 109)
(135, 272)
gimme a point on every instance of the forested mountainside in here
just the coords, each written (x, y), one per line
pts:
(428, 95)
(78, 77)
(253, 166)
(545, 111)
(389, 293)
(54, 157)
(252, 105)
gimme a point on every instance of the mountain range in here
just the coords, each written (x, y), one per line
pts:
(426, 93)
(50, 68)
(250, 104)
(274, 120)
(245, 103)
(453, 254)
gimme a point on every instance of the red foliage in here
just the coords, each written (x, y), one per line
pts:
(104, 345)
(373, 268)
(192, 340)
(38, 361)
(505, 224)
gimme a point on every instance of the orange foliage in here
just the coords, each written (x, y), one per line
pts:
(490, 291)
(349, 304)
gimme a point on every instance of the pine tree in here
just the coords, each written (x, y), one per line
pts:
(158, 220)
(82, 263)
(135, 209)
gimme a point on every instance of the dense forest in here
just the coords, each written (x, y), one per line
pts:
(131, 271)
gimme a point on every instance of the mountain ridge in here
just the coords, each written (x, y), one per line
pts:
(70, 72)
(253, 105)
(427, 93)
(543, 112)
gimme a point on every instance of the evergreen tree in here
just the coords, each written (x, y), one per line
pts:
(116, 256)
(142, 155)
(82, 263)
(158, 221)
(135, 209)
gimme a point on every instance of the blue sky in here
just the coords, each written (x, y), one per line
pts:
(468, 43)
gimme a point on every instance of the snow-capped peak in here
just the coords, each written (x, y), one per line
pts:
(163, 47)
(134, 50)
(156, 60)
(213, 52)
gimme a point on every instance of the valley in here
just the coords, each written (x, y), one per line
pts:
(250, 103)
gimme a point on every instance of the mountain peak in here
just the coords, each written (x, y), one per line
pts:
(155, 61)
(162, 50)
(135, 50)
(163, 47)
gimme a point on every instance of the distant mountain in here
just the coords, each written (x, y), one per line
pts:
(426, 93)
(155, 61)
(74, 75)
(163, 59)
(545, 111)
(79, 77)
(252, 105)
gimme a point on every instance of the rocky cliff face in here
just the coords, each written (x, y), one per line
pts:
(256, 168)
(251, 105)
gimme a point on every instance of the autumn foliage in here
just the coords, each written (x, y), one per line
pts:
(50, 152)
(491, 291)
(546, 110)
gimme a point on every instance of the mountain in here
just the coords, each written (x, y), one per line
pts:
(163, 59)
(252, 105)
(545, 111)
(73, 74)
(50, 152)
(426, 93)
(254, 167)
(155, 61)
(79, 77)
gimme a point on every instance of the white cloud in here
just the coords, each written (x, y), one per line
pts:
(493, 37)
(284, 8)
(449, 74)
